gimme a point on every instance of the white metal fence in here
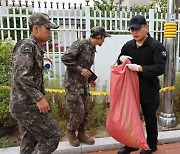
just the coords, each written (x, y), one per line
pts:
(75, 23)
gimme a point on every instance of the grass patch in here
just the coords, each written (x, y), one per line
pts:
(5, 143)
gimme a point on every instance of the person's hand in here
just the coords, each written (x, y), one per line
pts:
(86, 73)
(123, 58)
(43, 105)
(92, 83)
(133, 67)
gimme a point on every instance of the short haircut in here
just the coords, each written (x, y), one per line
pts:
(93, 36)
(96, 36)
(31, 27)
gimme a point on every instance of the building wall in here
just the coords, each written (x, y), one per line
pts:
(106, 56)
(137, 2)
(129, 3)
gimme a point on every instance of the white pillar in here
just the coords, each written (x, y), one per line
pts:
(151, 22)
(87, 16)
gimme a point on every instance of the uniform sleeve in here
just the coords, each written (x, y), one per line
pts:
(69, 58)
(23, 71)
(158, 68)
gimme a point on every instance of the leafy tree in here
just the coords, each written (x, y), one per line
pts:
(104, 4)
(162, 3)
(6, 48)
(106, 8)
(103, 8)
(5, 61)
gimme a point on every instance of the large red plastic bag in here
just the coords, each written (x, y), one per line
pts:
(123, 122)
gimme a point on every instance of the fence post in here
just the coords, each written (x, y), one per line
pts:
(87, 15)
(151, 22)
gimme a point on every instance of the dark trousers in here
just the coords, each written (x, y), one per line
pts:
(150, 100)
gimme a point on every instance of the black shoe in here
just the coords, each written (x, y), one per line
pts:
(153, 149)
(127, 150)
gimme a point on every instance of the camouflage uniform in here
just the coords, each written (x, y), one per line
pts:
(78, 57)
(36, 129)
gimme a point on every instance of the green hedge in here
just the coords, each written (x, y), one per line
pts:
(6, 48)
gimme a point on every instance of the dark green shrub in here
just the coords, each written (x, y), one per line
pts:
(6, 48)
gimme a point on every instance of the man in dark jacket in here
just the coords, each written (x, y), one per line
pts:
(79, 58)
(148, 57)
(28, 103)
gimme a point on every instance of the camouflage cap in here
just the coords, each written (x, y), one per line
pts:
(99, 30)
(41, 19)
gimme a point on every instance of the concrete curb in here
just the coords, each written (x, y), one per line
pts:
(106, 143)
(101, 144)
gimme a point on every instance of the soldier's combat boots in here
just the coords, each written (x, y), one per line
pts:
(84, 138)
(73, 140)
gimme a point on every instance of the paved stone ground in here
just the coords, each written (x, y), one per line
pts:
(171, 148)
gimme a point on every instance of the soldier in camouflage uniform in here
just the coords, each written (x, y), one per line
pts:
(28, 104)
(79, 58)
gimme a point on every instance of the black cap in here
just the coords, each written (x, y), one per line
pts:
(99, 30)
(137, 22)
